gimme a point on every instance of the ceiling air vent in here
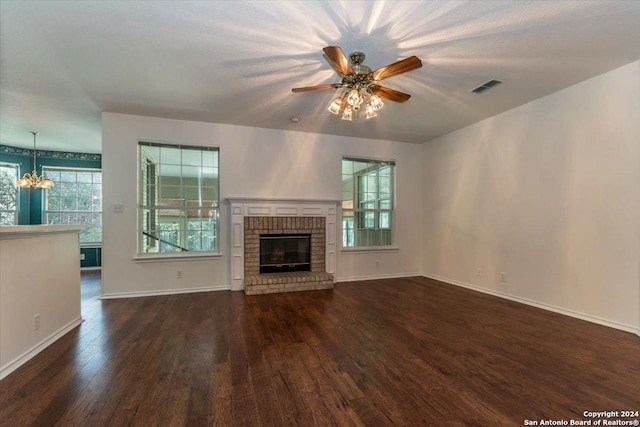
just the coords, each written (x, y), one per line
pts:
(486, 86)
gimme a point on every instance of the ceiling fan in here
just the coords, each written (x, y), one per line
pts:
(359, 84)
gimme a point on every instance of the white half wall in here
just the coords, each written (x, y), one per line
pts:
(254, 163)
(46, 286)
(548, 194)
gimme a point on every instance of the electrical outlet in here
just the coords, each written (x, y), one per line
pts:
(503, 277)
(81, 257)
(377, 264)
(478, 272)
(36, 322)
(179, 274)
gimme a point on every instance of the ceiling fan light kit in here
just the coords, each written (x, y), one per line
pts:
(360, 85)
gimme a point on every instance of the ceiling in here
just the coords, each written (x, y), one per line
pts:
(62, 63)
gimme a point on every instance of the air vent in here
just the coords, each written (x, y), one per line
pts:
(486, 86)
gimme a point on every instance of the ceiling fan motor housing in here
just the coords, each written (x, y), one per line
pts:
(356, 59)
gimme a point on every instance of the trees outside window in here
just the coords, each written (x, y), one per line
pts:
(8, 193)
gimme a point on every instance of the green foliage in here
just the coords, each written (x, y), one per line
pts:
(200, 236)
(168, 233)
(8, 195)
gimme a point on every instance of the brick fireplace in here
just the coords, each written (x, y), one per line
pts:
(254, 227)
(252, 218)
(256, 283)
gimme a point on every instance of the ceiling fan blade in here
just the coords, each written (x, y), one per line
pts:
(315, 88)
(407, 64)
(338, 60)
(390, 94)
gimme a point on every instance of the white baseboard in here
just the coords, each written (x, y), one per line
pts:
(382, 276)
(544, 306)
(164, 292)
(27, 355)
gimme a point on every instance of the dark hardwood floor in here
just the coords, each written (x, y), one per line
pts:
(386, 352)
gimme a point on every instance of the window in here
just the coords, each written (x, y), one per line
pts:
(178, 198)
(76, 198)
(367, 202)
(8, 194)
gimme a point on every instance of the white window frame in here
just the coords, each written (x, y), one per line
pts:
(47, 170)
(376, 165)
(181, 211)
(16, 167)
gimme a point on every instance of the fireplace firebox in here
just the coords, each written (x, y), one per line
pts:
(285, 252)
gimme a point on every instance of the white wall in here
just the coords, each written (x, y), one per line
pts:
(254, 162)
(49, 288)
(549, 194)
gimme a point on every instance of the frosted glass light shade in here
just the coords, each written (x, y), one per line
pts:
(347, 114)
(354, 98)
(376, 102)
(45, 183)
(370, 112)
(334, 108)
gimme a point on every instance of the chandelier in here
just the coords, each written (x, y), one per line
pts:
(357, 92)
(32, 180)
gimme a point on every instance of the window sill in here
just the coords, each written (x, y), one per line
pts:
(367, 249)
(90, 245)
(176, 257)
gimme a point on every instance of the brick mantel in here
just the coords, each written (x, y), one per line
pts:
(251, 207)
